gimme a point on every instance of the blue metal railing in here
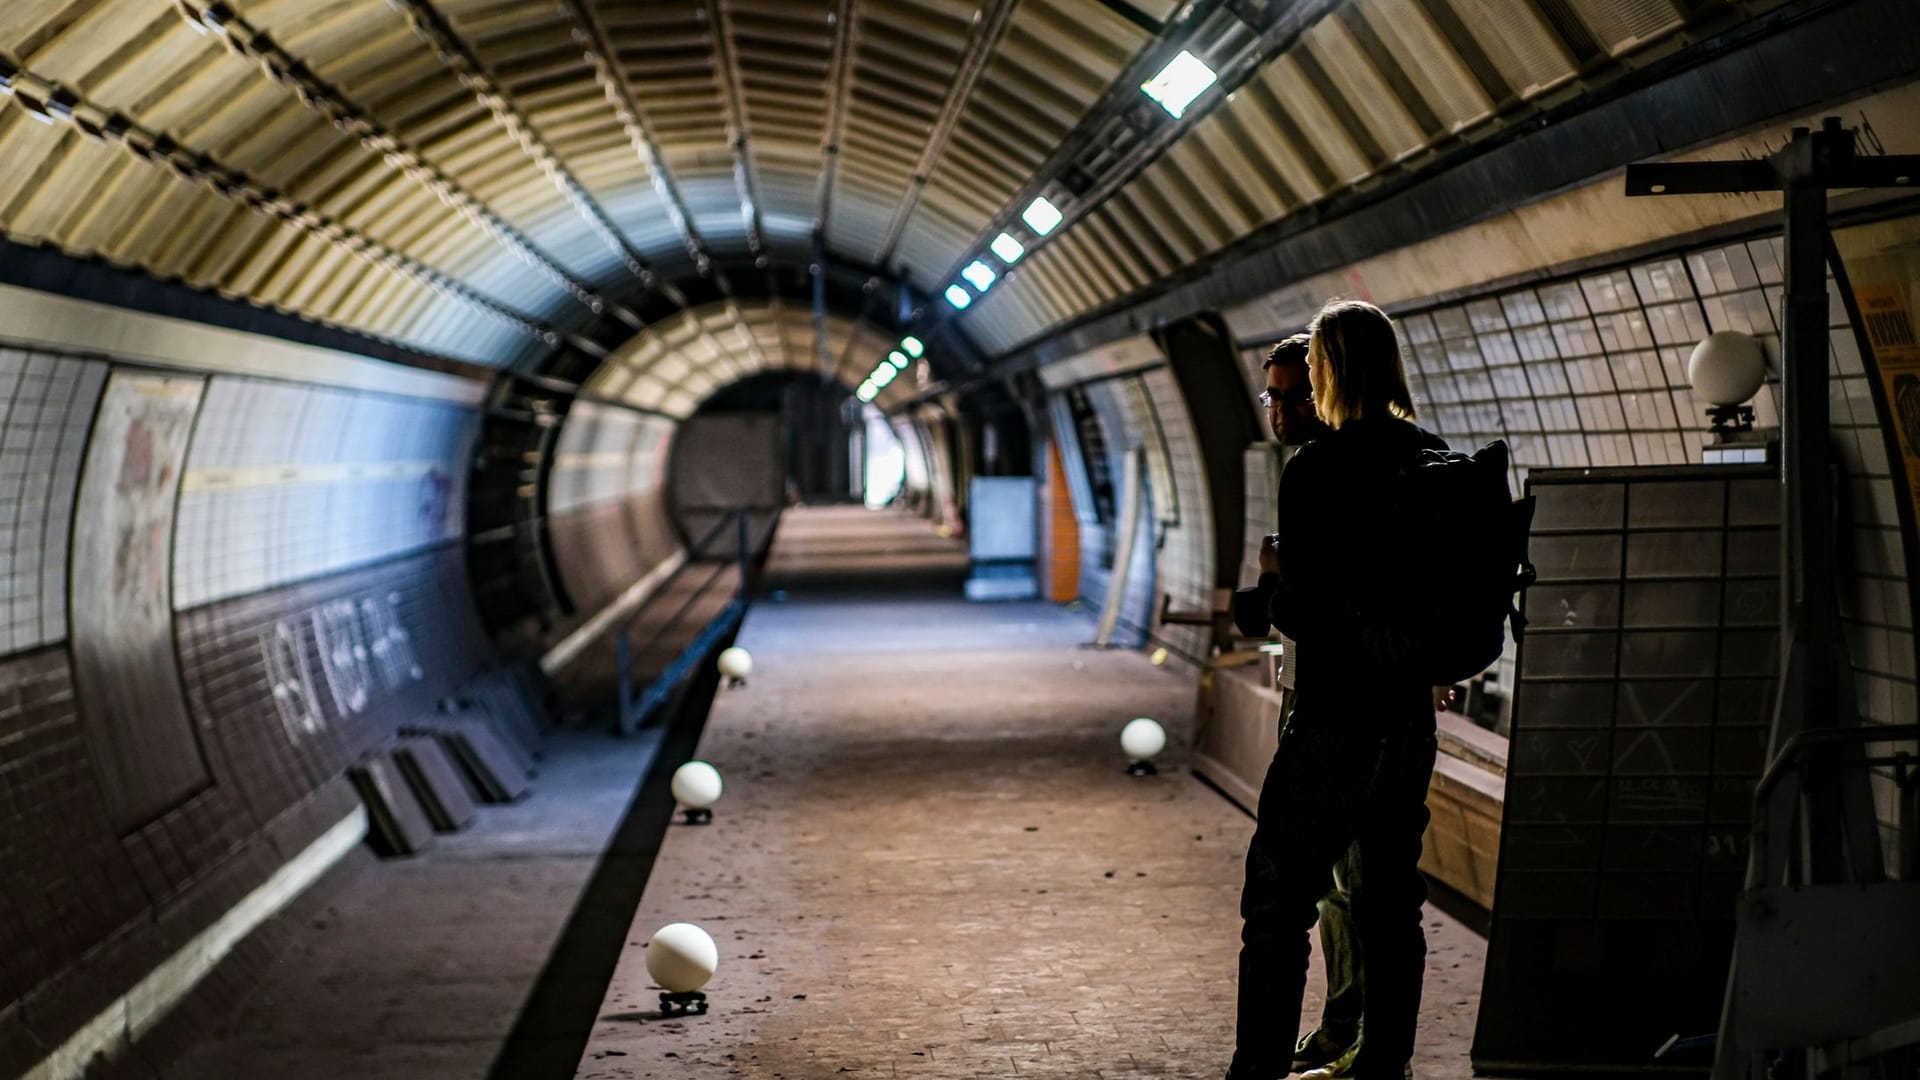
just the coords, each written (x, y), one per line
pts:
(636, 709)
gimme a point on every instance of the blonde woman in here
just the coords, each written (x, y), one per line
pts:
(1358, 750)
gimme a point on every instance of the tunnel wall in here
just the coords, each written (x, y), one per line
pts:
(265, 579)
(606, 510)
(1173, 549)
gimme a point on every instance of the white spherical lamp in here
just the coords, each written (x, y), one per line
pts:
(736, 664)
(1142, 740)
(1727, 368)
(696, 786)
(682, 957)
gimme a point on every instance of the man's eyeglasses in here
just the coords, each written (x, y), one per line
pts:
(1294, 397)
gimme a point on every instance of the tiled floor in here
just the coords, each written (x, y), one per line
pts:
(928, 861)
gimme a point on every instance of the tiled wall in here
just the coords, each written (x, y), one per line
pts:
(318, 599)
(607, 515)
(1184, 563)
(46, 406)
(1591, 370)
(1126, 425)
(607, 454)
(1173, 554)
(287, 482)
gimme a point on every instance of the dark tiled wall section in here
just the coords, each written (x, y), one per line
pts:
(66, 881)
(604, 548)
(290, 686)
(84, 912)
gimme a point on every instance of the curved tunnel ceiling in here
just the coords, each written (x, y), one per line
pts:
(672, 366)
(476, 178)
(532, 161)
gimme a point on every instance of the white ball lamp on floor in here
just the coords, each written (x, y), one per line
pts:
(696, 786)
(736, 664)
(1142, 740)
(682, 958)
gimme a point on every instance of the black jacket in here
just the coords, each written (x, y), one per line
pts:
(1338, 544)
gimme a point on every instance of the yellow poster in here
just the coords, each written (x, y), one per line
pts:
(1889, 326)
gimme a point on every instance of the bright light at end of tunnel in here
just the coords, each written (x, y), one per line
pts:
(1041, 216)
(898, 358)
(958, 297)
(979, 275)
(1007, 248)
(913, 346)
(1184, 78)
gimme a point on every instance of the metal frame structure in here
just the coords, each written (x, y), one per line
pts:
(1832, 818)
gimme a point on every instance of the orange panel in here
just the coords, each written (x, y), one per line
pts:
(1061, 533)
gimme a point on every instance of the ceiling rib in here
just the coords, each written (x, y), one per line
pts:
(727, 61)
(591, 33)
(473, 73)
(989, 28)
(52, 102)
(281, 67)
(839, 84)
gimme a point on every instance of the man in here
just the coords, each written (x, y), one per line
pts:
(1329, 1048)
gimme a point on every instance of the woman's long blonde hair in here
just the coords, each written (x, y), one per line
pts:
(1354, 361)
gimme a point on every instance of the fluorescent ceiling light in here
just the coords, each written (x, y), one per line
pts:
(1041, 216)
(958, 297)
(1184, 78)
(867, 391)
(899, 359)
(883, 375)
(913, 346)
(1007, 248)
(979, 275)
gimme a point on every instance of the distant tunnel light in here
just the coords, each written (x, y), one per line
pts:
(1041, 216)
(913, 346)
(899, 359)
(1007, 248)
(979, 275)
(958, 297)
(1184, 78)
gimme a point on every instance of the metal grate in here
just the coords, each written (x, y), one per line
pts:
(1620, 25)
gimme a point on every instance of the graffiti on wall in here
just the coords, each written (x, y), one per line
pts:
(363, 649)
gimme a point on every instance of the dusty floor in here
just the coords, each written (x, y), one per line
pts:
(928, 861)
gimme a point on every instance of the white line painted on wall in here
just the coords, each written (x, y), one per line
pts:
(575, 643)
(31, 318)
(135, 1013)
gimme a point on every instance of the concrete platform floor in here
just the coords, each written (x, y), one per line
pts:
(416, 969)
(929, 863)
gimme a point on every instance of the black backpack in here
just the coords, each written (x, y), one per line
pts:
(1464, 559)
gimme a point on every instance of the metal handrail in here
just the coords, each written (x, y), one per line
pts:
(633, 710)
(1789, 759)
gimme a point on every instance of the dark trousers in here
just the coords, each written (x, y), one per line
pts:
(1351, 770)
(1339, 948)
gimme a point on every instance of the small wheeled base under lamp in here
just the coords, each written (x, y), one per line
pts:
(690, 1003)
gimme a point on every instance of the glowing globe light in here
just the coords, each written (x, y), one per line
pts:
(682, 957)
(696, 785)
(736, 663)
(1727, 368)
(1143, 739)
